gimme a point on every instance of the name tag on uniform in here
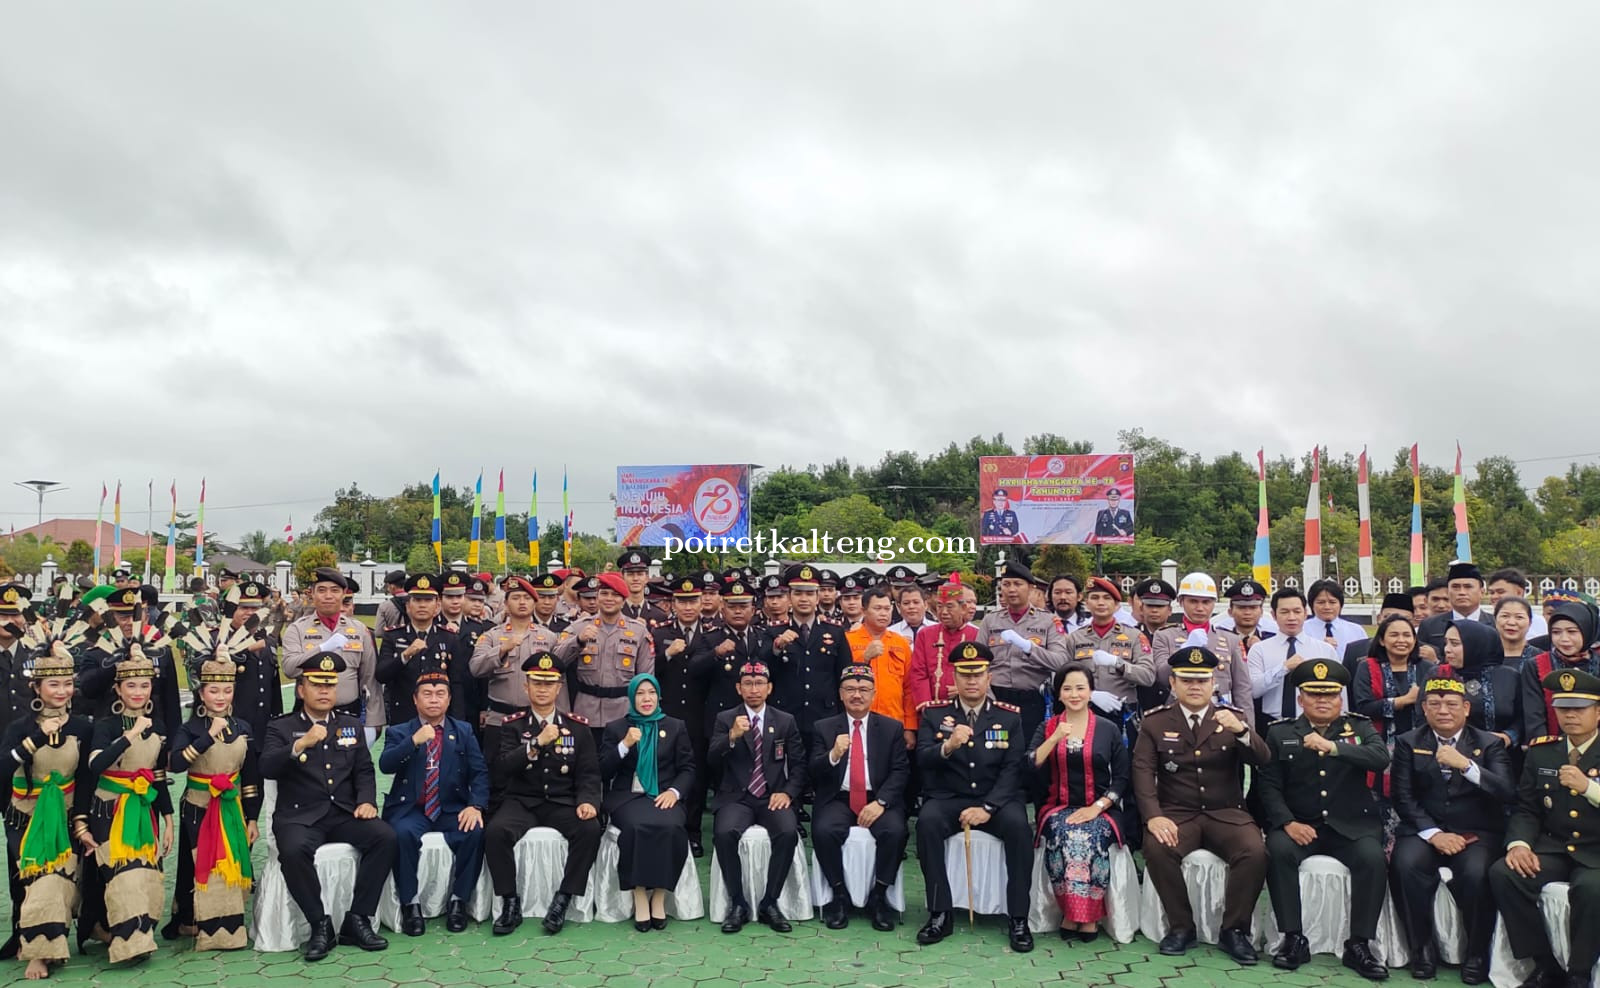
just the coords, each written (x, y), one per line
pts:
(777, 751)
(1548, 771)
(1290, 742)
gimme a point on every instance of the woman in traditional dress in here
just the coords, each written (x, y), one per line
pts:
(217, 815)
(130, 810)
(1085, 764)
(49, 749)
(648, 765)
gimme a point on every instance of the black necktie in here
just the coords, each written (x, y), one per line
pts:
(1288, 694)
(1443, 744)
(972, 718)
(1330, 628)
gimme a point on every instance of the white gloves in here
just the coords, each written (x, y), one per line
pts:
(1010, 637)
(1108, 702)
(1104, 659)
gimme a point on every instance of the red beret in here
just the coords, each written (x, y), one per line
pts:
(1101, 583)
(614, 582)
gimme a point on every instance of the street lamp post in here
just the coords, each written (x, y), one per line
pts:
(41, 488)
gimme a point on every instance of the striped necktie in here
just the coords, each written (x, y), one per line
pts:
(430, 780)
(758, 773)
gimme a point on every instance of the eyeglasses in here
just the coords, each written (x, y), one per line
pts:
(855, 690)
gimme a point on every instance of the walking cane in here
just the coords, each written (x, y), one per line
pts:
(966, 837)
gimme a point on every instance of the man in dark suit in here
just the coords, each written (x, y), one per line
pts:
(420, 643)
(1451, 783)
(327, 793)
(683, 660)
(1465, 585)
(806, 655)
(1317, 800)
(549, 772)
(860, 770)
(441, 784)
(758, 749)
(971, 752)
(1554, 836)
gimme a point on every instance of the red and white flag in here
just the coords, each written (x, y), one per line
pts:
(288, 531)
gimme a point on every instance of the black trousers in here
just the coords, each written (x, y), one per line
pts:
(515, 818)
(183, 886)
(297, 854)
(1364, 858)
(1518, 899)
(694, 801)
(730, 822)
(830, 828)
(1414, 880)
(938, 821)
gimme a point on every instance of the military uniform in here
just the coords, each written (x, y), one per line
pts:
(258, 695)
(395, 671)
(722, 673)
(1020, 672)
(1191, 774)
(805, 673)
(682, 677)
(1560, 825)
(1000, 524)
(598, 672)
(1110, 524)
(358, 684)
(1135, 665)
(1331, 793)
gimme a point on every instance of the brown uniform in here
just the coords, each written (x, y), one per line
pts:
(1136, 666)
(508, 690)
(1193, 780)
(358, 684)
(1233, 675)
(598, 671)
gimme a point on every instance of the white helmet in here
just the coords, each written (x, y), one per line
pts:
(1197, 585)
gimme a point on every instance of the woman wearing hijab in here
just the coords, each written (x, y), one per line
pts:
(1472, 651)
(1086, 768)
(1572, 634)
(1387, 687)
(648, 764)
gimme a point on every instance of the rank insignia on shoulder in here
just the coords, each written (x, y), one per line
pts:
(1008, 706)
(1352, 715)
(576, 719)
(925, 704)
(513, 718)
(1544, 740)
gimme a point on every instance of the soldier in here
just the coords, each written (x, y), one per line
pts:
(1121, 655)
(498, 657)
(602, 653)
(756, 748)
(684, 656)
(1197, 595)
(734, 644)
(1452, 783)
(550, 774)
(418, 644)
(1028, 647)
(1245, 601)
(806, 655)
(774, 602)
(1187, 772)
(1554, 836)
(257, 696)
(330, 800)
(971, 752)
(1113, 521)
(328, 630)
(1317, 800)
(635, 569)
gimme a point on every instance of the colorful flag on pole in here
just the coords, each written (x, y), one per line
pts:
(116, 529)
(500, 522)
(1369, 583)
(1311, 567)
(1261, 566)
(288, 531)
(99, 515)
(1419, 574)
(533, 525)
(1463, 537)
(200, 531)
(438, 531)
(566, 513)
(476, 541)
(169, 579)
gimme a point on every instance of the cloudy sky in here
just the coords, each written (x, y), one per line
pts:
(291, 246)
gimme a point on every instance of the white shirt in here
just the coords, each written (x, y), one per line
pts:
(1344, 632)
(905, 630)
(1267, 662)
(1266, 623)
(850, 728)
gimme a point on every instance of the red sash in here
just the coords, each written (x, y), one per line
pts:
(1380, 724)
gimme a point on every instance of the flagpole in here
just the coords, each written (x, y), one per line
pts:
(1459, 495)
(1261, 565)
(99, 516)
(150, 529)
(1369, 583)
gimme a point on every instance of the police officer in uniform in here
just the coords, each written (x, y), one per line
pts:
(602, 653)
(1029, 646)
(1187, 772)
(546, 599)
(497, 663)
(469, 696)
(419, 643)
(549, 773)
(971, 751)
(328, 629)
(635, 569)
(1114, 520)
(327, 793)
(257, 698)
(684, 656)
(806, 655)
(13, 655)
(735, 643)
(1554, 836)
(1317, 800)
(1000, 522)
(1119, 654)
(1197, 594)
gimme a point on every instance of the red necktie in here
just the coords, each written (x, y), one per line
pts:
(758, 772)
(858, 771)
(430, 779)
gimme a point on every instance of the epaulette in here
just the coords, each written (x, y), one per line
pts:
(513, 718)
(925, 704)
(576, 719)
(1548, 738)
(1166, 706)
(1283, 720)
(1008, 706)
(1352, 715)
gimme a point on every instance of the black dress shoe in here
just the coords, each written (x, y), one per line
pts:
(883, 917)
(696, 848)
(935, 929)
(1425, 962)
(9, 949)
(411, 922)
(1019, 935)
(1294, 951)
(836, 914)
(357, 931)
(455, 916)
(1236, 944)
(738, 915)
(1545, 975)
(321, 942)
(770, 914)
(1176, 942)
(1358, 958)
(642, 925)
(1089, 936)
(510, 916)
(658, 922)
(1474, 970)
(556, 916)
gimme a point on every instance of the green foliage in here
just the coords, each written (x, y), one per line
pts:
(310, 556)
(80, 557)
(1574, 551)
